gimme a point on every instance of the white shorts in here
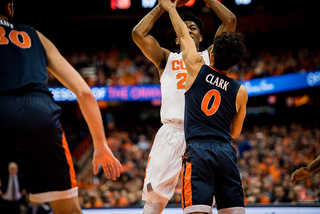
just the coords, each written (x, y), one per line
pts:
(165, 160)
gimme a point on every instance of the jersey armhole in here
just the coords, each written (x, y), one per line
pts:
(166, 67)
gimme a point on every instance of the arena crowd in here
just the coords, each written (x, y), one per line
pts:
(267, 153)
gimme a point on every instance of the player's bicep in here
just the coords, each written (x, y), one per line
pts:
(150, 48)
(190, 53)
(219, 31)
(191, 58)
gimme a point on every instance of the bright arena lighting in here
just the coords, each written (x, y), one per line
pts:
(242, 2)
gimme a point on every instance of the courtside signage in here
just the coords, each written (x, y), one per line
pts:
(112, 93)
(255, 87)
(282, 83)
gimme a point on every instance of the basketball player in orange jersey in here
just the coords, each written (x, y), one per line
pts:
(215, 108)
(29, 118)
(164, 162)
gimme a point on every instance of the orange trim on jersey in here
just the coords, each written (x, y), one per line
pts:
(182, 196)
(187, 189)
(212, 67)
(72, 173)
(145, 174)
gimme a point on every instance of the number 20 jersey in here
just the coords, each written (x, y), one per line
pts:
(210, 106)
(173, 81)
(23, 59)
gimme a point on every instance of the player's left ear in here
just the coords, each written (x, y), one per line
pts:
(200, 38)
(177, 41)
(9, 11)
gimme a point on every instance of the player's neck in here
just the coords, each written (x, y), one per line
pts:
(4, 17)
(225, 72)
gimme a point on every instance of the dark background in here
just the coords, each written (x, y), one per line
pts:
(92, 24)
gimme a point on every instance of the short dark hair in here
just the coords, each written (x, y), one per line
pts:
(187, 16)
(3, 4)
(228, 50)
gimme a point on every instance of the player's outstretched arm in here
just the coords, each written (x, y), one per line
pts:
(71, 79)
(178, 25)
(304, 172)
(229, 20)
(147, 43)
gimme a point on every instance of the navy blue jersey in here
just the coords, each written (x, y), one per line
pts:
(23, 59)
(210, 106)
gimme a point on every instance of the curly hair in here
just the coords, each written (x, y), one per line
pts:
(187, 16)
(228, 50)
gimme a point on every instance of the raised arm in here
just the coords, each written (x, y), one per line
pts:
(147, 43)
(191, 58)
(229, 20)
(71, 79)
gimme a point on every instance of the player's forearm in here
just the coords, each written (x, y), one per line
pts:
(71, 79)
(314, 165)
(92, 115)
(179, 26)
(224, 14)
(145, 25)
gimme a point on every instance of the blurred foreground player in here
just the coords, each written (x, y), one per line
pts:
(215, 108)
(29, 118)
(164, 162)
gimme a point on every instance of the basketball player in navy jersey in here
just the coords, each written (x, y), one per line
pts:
(215, 108)
(164, 161)
(29, 118)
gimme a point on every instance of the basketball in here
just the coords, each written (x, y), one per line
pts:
(181, 2)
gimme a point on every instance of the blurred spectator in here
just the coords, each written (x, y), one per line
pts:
(268, 154)
(264, 168)
(120, 66)
(14, 187)
(257, 196)
(279, 195)
(143, 143)
(301, 194)
(94, 200)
